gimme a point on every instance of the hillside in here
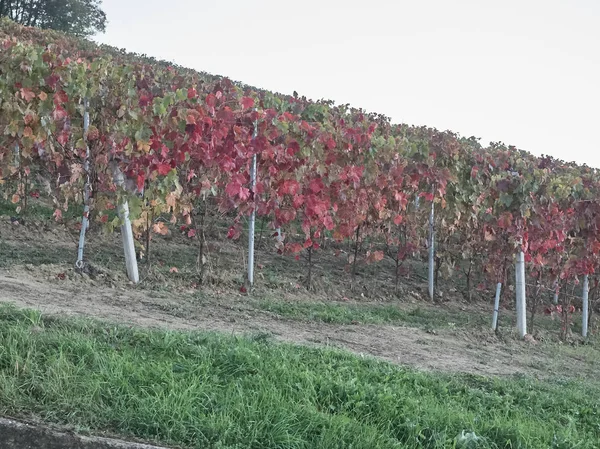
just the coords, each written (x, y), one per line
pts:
(378, 249)
(333, 179)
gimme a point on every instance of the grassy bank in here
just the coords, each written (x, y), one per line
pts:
(351, 313)
(207, 390)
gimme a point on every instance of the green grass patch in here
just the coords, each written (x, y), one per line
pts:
(38, 210)
(341, 313)
(20, 254)
(204, 390)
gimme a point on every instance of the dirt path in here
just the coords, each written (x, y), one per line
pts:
(447, 351)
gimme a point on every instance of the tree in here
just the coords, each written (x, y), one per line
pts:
(78, 17)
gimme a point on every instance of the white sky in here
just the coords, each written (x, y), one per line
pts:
(524, 72)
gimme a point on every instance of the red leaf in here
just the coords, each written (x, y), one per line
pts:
(233, 188)
(244, 193)
(295, 247)
(290, 187)
(298, 201)
(315, 185)
(211, 100)
(163, 169)
(505, 220)
(52, 81)
(141, 179)
(27, 94)
(190, 119)
(59, 114)
(398, 220)
(145, 100)
(374, 256)
(247, 102)
(60, 97)
(233, 233)
(191, 93)
(191, 233)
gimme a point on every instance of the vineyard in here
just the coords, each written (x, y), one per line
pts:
(112, 140)
(216, 265)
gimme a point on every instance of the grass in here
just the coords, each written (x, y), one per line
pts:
(13, 254)
(38, 210)
(351, 313)
(204, 390)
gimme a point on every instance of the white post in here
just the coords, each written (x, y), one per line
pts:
(279, 236)
(555, 299)
(431, 251)
(17, 156)
(85, 223)
(521, 297)
(17, 165)
(585, 306)
(126, 231)
(252, 217)
(496, 306)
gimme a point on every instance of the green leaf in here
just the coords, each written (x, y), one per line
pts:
(181, 94)
(506, 199)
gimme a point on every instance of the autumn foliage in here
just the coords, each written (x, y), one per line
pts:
(185, 141)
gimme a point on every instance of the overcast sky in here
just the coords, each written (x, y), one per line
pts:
(524, 72)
